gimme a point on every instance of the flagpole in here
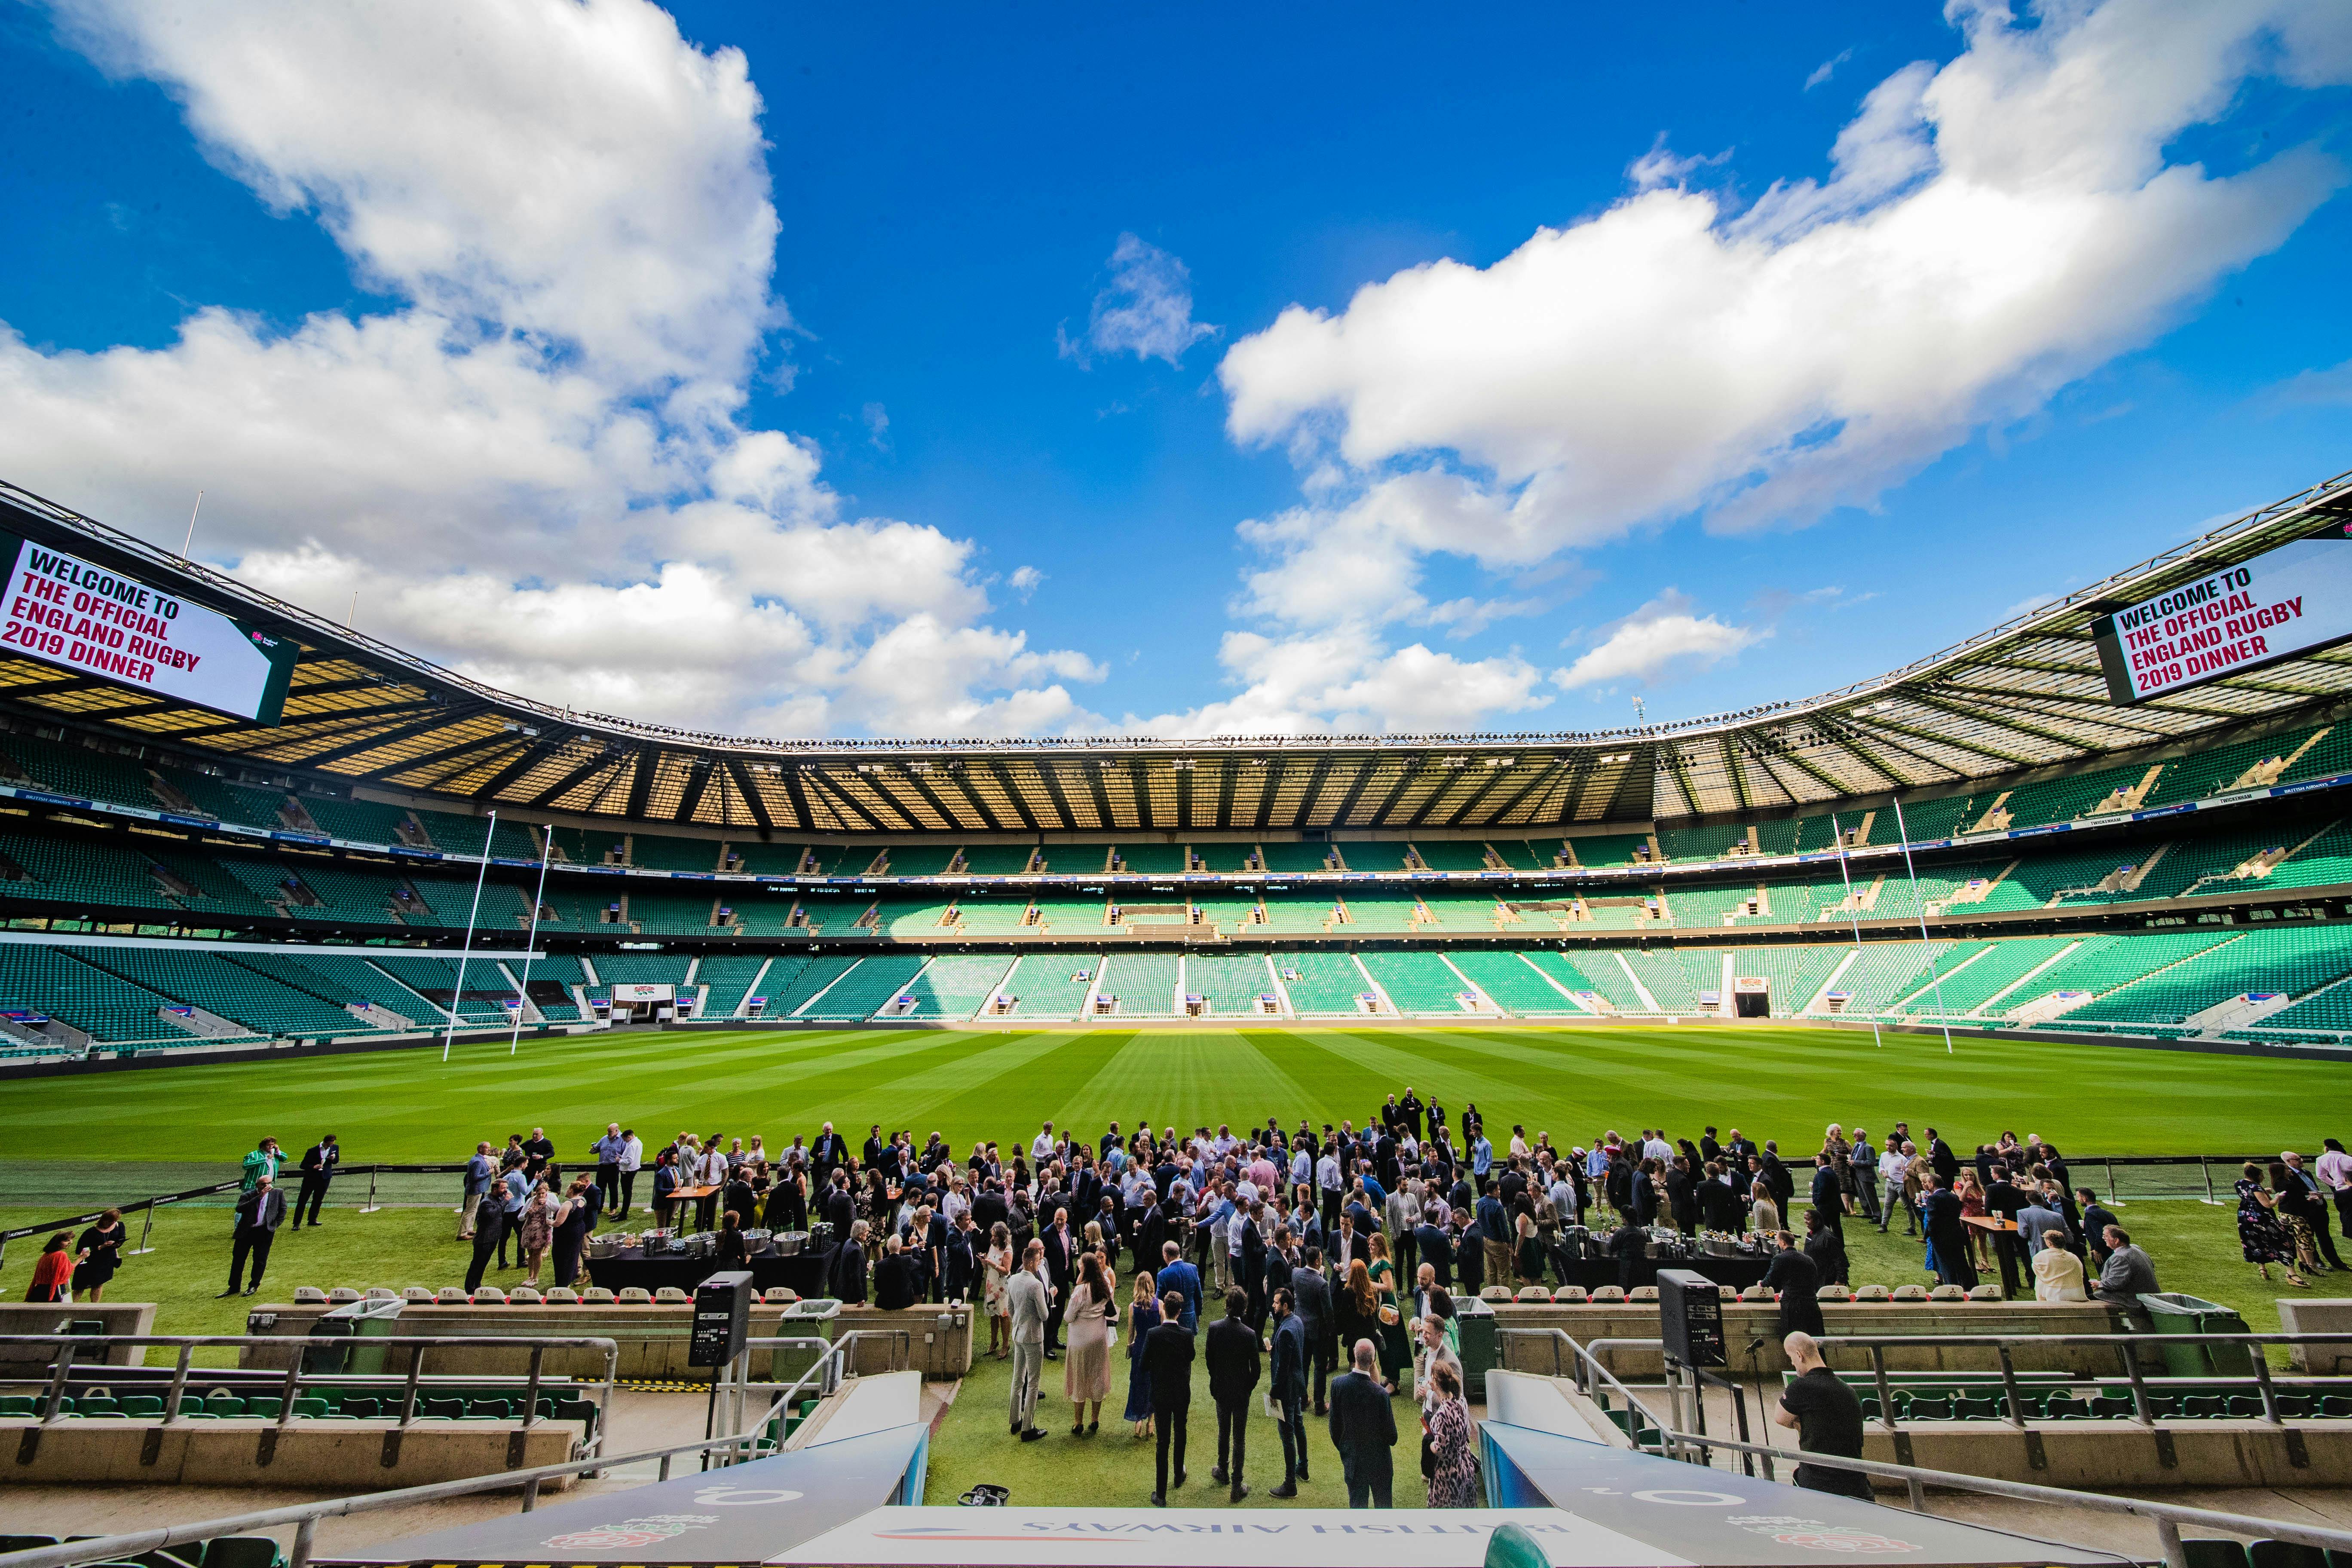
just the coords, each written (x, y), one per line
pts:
(1935, 977)
(1875, 1037)
(458, 997)
(531, 944)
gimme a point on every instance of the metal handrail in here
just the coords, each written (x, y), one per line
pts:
(305, 1517)
(1586, 1367)
(2168, 1517)
(2124, 1345)
(64, 1365)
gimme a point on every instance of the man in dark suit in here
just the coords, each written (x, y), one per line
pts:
(827, 1155)
(1281, 1258)
(1061, 1265)
(874, 1144)
(1941, 1160)
(2096, 1218)
(1232, 1353)
(1310, 1302)
(1286, 1384)
(1168, 1363)
(1363, 1428)
(1940, 1216)
(1797, 1279)
(1252, 1264)
(840, 1207)
(319, 1162)
(988, 1210)
(1430, 1242)
(259, 1213)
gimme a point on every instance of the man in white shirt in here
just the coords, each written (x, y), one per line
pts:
(632, 1159)
(2335, 1170)
(1041, 1147)
(1329, 1185)
(1658, 1149)
(1893, 1166)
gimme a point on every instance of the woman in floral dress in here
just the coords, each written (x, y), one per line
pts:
(1453, 1471)
(2262, 1236)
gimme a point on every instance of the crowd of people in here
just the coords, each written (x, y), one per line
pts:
(1303, 1260)
(1321, 1262)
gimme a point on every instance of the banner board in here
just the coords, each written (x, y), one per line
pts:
(2281, 603)
(638, 994)
(63, 610)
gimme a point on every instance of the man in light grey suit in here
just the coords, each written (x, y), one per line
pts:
(1026, 1294)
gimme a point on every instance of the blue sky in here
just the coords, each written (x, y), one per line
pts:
(806, 370)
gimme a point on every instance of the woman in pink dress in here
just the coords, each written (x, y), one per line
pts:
(1085, 1361)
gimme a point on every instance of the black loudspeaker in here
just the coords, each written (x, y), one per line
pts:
(1690, 1318)
(722, 1318)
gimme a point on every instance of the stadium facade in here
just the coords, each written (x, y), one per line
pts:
(2004, 833)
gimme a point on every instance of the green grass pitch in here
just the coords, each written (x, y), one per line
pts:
(1774, 1082)
(406, 1106)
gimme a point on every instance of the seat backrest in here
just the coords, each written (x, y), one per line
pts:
(241, 1552)
(2212, 1551)
(2285, 1554)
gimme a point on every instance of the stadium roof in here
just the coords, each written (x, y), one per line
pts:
(2026, 695)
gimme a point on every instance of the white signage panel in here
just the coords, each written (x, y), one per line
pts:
(1233, 1538)
(65, 611)
(2281, 603)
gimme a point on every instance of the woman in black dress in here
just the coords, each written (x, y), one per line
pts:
(101, 1249)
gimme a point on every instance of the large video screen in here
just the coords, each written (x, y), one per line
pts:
(65, 611)
(2281, 603)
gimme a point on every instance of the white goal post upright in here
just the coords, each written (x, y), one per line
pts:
(457, 996)
(1855, 915)
(531, 942)
(1934, 975)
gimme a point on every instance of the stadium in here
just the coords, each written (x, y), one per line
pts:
(1986, 840)
(487, 1083)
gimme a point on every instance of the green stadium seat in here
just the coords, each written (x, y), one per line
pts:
(242, 1552)
(2213, 1552)
(2285, 1554)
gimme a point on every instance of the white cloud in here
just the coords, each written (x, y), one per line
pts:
(877, 422)
(1146, 310)
(1342, 681)
(1827, 69)
(533, 464)
(1992, 231)
(1024, 581)
(1665, 638)
(2331, 387)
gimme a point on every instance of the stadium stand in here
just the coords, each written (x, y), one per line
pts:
(359, 821)
(1076, 859)
(955, 986)
(870, 985)
(1048, 987)
(982, 914)
(1324, 985)
(793, 983)
(657, 852)
(995, 859)
(86, 772)
(729, 977)
(1140, 984)
(50, 982)
(1516, 985)
(1230, 985)
(1378, 913)
(1293, 859)
(1229, 858)
(1463, 914)
(1300, 912)
(1421, 982)
(262, 1004)
(1451, 854)
(1154, 859)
